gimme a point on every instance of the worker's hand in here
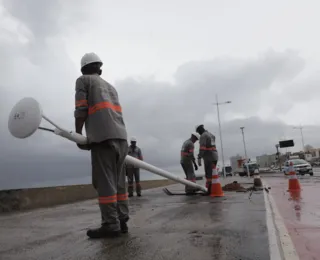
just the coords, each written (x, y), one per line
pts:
(84, 147)
(195, 167)
(199, 162)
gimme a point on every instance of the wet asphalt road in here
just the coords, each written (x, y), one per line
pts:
(300, 211)
(161, 227)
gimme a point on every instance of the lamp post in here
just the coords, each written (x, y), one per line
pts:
(302, 140)
(278, 154)
(245, 150)
(217, 104)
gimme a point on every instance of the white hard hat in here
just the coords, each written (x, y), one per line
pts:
(90, 58)
(196, 135)
(133, 139)
(198, 126)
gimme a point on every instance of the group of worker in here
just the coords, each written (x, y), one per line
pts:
(207, 152)
(97, 107)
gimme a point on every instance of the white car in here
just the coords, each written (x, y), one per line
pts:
(301, 167)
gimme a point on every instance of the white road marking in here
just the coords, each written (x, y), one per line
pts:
(280, 244)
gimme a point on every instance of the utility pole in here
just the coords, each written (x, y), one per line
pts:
(222, 155)
(302, 140)
(279, 158)
(245, 150)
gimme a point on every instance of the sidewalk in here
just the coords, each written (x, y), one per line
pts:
(161, 227)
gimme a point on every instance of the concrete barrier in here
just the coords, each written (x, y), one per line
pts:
(26, 199)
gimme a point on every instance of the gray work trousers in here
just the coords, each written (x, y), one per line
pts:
(209, 160)
(108, 178)
(188, 169)
(133, 174)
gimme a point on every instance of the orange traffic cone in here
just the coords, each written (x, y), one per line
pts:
(216, 189)
(294, 184)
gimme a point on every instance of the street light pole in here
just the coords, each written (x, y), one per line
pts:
(279, 157)
(245, 150)
(222, 155)
(302, 140)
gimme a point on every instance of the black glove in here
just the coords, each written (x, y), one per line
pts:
(86, 147)
(195, 165)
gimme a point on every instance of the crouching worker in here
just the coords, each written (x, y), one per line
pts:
(188, 161)
(97, 106)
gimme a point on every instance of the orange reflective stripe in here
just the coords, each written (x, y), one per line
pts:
(108, 199)
(207, 148)
(82, 103)
(122, 197)
(184, 153)
(215, 176)
(103, 105)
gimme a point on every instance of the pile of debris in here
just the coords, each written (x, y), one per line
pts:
(235, 186)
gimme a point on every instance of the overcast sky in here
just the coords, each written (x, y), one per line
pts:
(168, 60)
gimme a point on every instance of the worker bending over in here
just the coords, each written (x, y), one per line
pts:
(207, 152)
(97, 106)
(133, 172)
(188, 161)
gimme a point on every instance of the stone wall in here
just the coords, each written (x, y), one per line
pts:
(25, 199)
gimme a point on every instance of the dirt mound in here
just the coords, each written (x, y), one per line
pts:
(235, 186)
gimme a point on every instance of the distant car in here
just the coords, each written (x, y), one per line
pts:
(315, 164)
(228, 171)
(227, 174)
(253, 169)
(301, 167)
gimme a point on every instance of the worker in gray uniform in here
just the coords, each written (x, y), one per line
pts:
(188, 161)
(207, 152)
(97, 106)
(133, 172)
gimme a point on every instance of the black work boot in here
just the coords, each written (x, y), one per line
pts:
(102, 232)
(123, 226)
(138, 190)
(130, 191)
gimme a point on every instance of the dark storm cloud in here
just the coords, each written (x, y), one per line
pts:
(163, 115)
(39, 68)
(239, 80)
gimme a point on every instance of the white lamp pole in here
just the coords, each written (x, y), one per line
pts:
(245, 150)
(222, 155)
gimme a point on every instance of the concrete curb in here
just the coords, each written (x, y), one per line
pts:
(280, 243)
(33, 198)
